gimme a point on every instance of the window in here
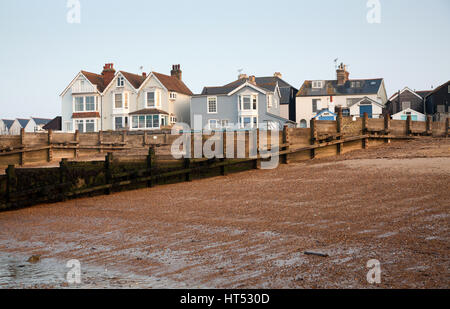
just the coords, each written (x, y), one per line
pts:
(441, 108)
(90, 104)
(315, 105)
(303, 123)
(173, 119)
(213, 124)
(79, 104)
(147, 122)
(90, 125)
(120, 81)
(247, 122)
(80, 125)
(173, 95)
(212, 105)
(118, 100)
(255, 122)
(269, 101)
(151, 102)
(68, 126)
(246, 100)
(448, 88)
(317, 84)
(255, 102)
(118, 123)
(346, 112)
(406, 105)
(356, 84)
(224, 123)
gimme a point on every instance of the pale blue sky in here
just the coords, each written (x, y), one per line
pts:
(41, 53)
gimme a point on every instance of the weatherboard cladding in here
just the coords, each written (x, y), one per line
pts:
(330, 88)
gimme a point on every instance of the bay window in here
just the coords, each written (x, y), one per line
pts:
(148, 121)
(85, 104)
(85, 125)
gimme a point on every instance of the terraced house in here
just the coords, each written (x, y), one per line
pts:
(247, 103)
(354, 96)
(124, 101)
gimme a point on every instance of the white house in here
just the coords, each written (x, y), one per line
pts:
(28, 124)
(13, 127)
(355, 96)
(40, 123)
(415, 115)
(4, 130)
(122, 100)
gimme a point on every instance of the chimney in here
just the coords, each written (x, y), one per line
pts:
(278, 74)
(252, 79)
(242, 76)
(144, 75)
(342, 74)
(108, 73)
(176, 71)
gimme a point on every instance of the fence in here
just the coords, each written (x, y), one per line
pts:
(27, 186)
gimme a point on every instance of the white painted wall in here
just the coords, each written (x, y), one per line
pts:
(420, 116)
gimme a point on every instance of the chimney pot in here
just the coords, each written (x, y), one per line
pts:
(176, 71)
(278, 74)
(342, 75)
(108, 73)
(252, 79)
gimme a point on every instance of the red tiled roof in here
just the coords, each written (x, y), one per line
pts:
(173, 84)
(95, 79)
(86, 115)
(149, 111)
(135, 79)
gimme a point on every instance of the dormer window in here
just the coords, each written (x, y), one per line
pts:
(120, 81)
(317, 84)
(356, 84)
(173, 95)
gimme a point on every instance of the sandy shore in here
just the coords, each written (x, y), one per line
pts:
(250, 230)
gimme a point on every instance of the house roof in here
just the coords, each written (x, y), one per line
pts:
(8, 123)
(95, 79)
(365, 99)
(325, 110)
(86, 115)
(172, 83)
(149, 111)
(331, 88)
(41, 121)
(23, 122)
(438, 88)
(421, 94)
(55, 124)
(266, 83)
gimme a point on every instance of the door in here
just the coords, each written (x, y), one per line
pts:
(366, 109)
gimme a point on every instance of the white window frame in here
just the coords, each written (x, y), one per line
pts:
(269, 101)
(85, 121)
(120, 81)
(217, 124)
(145, 122)
(84, 104)
(318, 101)
(317, 84)
(208, 106)
(156, 98)
(222, 123)
(68, 126)
(173, 95)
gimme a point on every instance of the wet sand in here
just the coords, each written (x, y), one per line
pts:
(250, 230)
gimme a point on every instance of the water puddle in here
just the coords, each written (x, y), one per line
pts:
(17, 273)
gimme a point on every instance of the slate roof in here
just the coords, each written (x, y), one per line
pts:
(41, 121)
(23, 122)
(424, 93)
(55, 124)
(331, 88)
(8, 123)
(95, 79)
(266, 83)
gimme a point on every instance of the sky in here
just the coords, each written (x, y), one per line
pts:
(41, 52)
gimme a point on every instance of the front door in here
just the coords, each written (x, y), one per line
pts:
(366, 109)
